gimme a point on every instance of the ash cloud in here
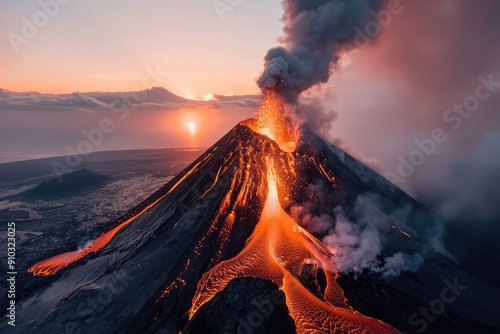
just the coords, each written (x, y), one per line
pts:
(360, 235)
(316, 34)
(359, 244)
(409, 79)
(315, 116)
(313, 34)
(400, 262)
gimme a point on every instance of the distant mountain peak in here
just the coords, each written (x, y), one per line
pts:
(82, 180)
(160, 94)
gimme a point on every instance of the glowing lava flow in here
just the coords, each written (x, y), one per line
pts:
(278, 249)
(271, 122)
(281, 251)
(52, 265)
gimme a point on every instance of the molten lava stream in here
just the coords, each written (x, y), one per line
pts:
(272, 123)
(52, 265)
(277, 251)
(61, 261)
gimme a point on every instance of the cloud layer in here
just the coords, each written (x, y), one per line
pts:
(153, 98)
(151, 118)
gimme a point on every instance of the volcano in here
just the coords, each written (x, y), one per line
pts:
(217, 250)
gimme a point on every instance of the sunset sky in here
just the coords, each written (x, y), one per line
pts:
(107, 45)
(383, 97)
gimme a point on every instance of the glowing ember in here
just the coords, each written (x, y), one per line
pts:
(272, 123)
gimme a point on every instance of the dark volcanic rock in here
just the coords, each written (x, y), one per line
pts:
(247, 305)
(145, 278)
(74, 183)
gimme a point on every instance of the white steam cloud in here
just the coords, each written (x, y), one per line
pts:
(358, 242)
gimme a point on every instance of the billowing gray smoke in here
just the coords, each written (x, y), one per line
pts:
(315, 32)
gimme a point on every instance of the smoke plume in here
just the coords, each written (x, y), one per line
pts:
(314, 33)
(359, 235)
(359, 243)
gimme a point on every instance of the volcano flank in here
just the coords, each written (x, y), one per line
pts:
(222, 232)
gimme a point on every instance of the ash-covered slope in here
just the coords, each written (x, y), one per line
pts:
(148, 254)
(143, 276)
(411, 300)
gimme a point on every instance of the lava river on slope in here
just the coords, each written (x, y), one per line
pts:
(249, 234)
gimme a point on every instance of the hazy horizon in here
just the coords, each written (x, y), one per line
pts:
(384, 101)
